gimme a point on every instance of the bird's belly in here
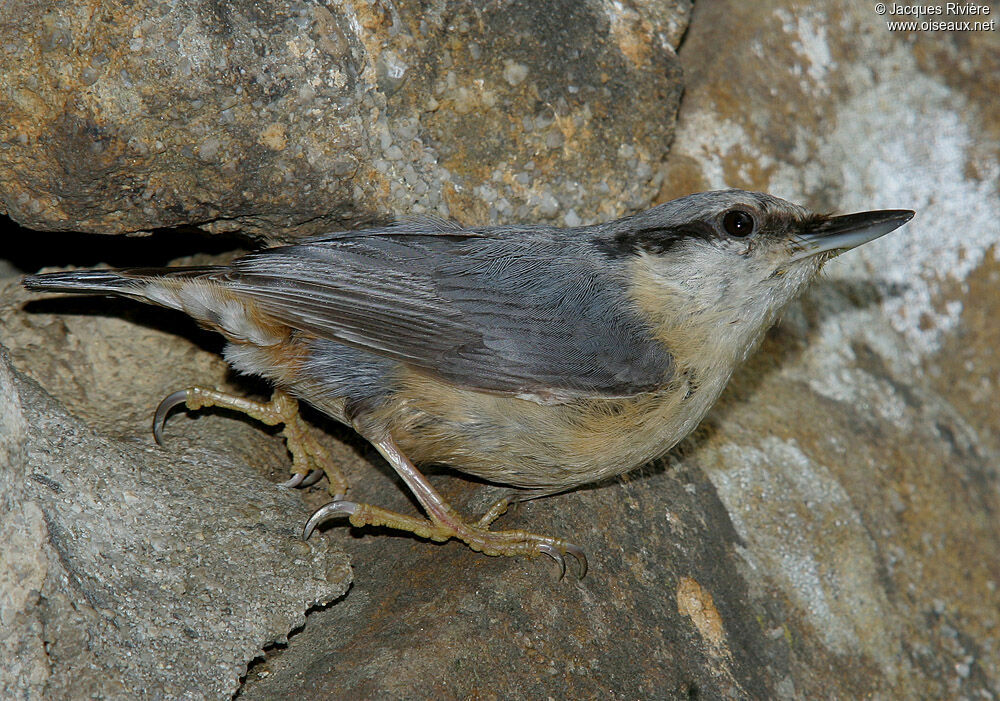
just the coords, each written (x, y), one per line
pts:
(500, 438)
(541, 446)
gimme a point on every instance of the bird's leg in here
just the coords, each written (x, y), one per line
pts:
(443, 522)
(309, 458)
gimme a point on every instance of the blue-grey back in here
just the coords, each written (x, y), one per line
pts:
(521, 310)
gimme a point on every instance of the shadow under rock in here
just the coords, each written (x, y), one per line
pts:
(54, 249)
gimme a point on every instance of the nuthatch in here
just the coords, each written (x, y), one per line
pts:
(532, 356)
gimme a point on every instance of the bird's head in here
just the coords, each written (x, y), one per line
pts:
(732, 259)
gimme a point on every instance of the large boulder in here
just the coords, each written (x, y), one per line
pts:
(280, 118)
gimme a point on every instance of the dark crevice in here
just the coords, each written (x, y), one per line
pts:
(684, 34)
(28, 250)
(272, 650)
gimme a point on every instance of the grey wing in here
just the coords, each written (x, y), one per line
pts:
(484, 309)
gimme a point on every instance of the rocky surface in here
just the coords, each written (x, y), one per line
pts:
(131, 571)
(830, 531)
(284, 118)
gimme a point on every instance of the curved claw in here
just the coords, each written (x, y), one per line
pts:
(581, 558)
(555, 555)
(303, 479)
(312, 478)
(570, 549)
(294, 482)
(325, 513)
(160, 417)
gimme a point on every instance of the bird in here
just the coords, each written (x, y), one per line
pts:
(538, 357)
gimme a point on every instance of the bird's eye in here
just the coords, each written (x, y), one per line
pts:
(738, 223)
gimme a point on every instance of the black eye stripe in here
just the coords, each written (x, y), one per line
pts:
(658, 240)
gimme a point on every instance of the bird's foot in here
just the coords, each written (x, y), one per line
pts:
(443, 522)
(310, 460)
(476, 535)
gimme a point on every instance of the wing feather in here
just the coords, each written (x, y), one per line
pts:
(519, 311)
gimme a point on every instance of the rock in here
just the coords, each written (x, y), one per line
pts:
(131, 571)
(427, 621)
(280, 119)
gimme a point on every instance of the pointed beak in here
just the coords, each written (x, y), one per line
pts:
(845, 232)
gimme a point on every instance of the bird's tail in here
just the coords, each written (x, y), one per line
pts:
(92, 281)
(145, 284)
(201, 292)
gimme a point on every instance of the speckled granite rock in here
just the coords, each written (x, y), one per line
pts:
(133, 572)
(282, 118)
